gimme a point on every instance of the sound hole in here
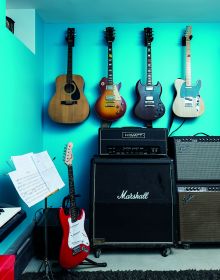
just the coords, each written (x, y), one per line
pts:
(73, 90)
(69, 88)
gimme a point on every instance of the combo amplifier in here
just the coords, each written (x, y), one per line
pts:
(132, 202)
(199, 213)
(132, 141)
(196, 158)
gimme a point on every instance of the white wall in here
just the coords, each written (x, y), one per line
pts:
(24, 25)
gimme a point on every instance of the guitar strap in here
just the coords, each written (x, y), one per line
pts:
(148, 124)
(105, 124)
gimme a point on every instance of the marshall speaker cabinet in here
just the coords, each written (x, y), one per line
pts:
(199, 212)
(132, 202)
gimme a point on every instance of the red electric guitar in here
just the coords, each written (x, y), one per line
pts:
(75, 245)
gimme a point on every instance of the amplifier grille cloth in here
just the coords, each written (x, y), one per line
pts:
(199, 217)
(198, 160)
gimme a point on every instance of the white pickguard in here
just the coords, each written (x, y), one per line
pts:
(77, 234)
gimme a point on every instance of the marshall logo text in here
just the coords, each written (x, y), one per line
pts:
(125, 195)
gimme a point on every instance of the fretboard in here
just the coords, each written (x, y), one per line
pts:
(69, 65)
(110, 64)
(188, 64)
(149, 65)
(73, 210)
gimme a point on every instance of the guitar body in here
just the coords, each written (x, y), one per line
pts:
(149, 106)
(188, 103)
(110, 106)
(75, 243)
(69, 104)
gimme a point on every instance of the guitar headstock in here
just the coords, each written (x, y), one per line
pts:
(148, 35)
(68, 155)
(109, 34)
(70, 36)
(188, 33)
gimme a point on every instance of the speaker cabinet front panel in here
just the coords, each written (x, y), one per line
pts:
(199, 214)
(197, 158)
(132, 201)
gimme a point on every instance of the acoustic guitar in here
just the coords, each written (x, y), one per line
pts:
(69, 104)
(110, 106)
(188, 102)
(149, 106)
(75, 245)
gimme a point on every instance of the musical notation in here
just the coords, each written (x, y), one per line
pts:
(35, 177)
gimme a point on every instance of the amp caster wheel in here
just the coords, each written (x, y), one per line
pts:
(186, 246)
(166, 252)
(97, 253)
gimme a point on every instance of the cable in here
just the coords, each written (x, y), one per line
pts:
(177, 128)
(201, 133)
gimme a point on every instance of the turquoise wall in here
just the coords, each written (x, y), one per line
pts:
(28, 84)
(90, 61)
(21, 111)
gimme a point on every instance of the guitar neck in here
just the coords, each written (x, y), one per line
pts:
(110, 64)
(73, 209)
(69, 65)
(149, 65)
(188, 64)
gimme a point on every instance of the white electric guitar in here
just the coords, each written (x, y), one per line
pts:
(188, 102)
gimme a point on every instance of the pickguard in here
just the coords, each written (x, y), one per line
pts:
(77, 235)
(192, 91)
(72, 89)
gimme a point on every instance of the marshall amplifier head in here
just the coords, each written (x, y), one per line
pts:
(129, 141)
(196, 158)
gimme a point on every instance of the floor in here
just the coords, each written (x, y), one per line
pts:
(148, 259)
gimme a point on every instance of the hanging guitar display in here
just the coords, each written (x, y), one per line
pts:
(69, 104)
(149, 106)
(110, 106)
(75, 245)
(188, 102)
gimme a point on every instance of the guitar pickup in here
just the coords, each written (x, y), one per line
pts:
(149, 88)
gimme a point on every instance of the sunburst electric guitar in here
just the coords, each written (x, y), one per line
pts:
(69, 104)
(188, 102)
(75, 244)
(149, 106)
(110, 106)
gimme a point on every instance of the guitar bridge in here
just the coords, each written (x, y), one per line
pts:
(68, 102)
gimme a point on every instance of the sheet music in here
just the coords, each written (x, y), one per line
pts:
(48, 171)
(35, 177)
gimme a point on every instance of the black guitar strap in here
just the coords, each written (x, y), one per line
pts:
(105, 124)
(148, 124)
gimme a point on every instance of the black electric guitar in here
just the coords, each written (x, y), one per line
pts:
(148, 107)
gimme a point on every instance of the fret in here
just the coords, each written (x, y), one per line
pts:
(149, 65)
(188, 64)
(73, 209)
(69, 65)
(110, 64)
